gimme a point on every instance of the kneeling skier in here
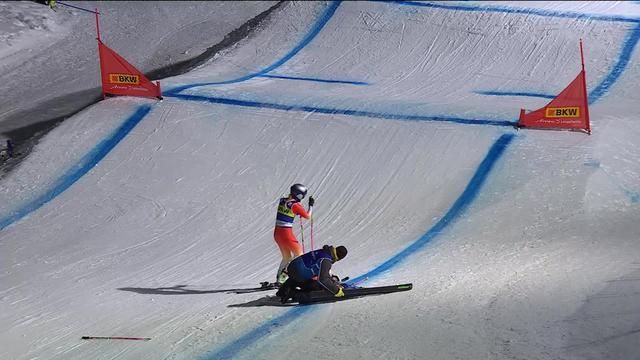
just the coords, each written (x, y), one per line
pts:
(311, 271)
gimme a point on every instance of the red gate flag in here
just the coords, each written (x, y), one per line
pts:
(121, 78)
(568, 110)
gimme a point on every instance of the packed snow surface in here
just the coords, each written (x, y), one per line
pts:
(138, 217)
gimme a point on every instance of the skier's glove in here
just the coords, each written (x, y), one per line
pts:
(311, 201)
(340, 293)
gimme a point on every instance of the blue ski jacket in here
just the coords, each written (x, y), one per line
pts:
(314, 265)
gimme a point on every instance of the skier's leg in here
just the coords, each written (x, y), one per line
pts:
(288, 288)
(286, 258)
(296, 248)
(289, 248)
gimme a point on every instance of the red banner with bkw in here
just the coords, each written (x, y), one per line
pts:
(121, 78)
(568, 110)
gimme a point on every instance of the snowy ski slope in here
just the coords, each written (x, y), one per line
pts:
(136, 217)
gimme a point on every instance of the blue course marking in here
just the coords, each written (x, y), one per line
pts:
(617, 70)
(514, 93)
(83, 166)
(321, 110)
(457, 209)
(314, 79)
(524, 11)
(632, 195)
(313, 32)
(232, 349)
(462, 203)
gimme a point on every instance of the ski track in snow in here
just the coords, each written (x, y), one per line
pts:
(247, 341)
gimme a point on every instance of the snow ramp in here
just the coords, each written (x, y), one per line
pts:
(137, 218)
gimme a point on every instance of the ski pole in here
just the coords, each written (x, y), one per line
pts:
(114, 338)
(312, 247)
(302, 234)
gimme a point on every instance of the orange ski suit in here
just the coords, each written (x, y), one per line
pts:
(283, 233)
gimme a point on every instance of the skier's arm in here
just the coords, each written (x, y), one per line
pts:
(299, 210)
(324, 279)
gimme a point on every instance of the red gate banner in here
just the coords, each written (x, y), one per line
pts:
(568, 110)
(121, 78)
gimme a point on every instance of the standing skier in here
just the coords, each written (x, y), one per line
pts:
(288, 208)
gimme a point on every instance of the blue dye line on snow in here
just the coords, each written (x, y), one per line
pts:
(462, 203)
(313, 32)
(85, 164)
(617, 70)
(514, 93)
(524, 11)
(632, 195)
(314, 79)
(457, 209)
(231, 350)
(321, 110)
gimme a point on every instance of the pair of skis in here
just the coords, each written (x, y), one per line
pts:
(321, 296)
(265, 285)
